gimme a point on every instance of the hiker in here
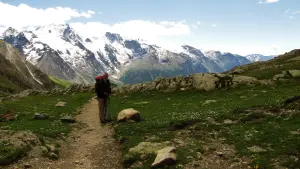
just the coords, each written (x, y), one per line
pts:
(103, 91)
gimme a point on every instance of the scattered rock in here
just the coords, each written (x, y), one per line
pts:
(67, 119)
(78, 162)
(295, 132)
(179, 142)
(278, 77)
(166, 156)
(38, 116)
(90, 129)
(149, 148)
(129, 114)
(221, 154)
(256, 149)
(53, 156)
(228, 121)
(51, 148)
(60, 104)
(294, 73)
(27, 166)
(243, 97)
(44, 150)
(209, 102)
(8, 117)
(141, 103)
(210, 120)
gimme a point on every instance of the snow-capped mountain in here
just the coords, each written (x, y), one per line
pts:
(59, 51)
(258, 57)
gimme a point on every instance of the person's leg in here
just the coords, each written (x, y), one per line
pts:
(105, 109)
(101, 109)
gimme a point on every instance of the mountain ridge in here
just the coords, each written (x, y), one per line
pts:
(17, 74)
(59, 51)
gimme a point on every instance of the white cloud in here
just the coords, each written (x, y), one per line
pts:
(198, 23)
(195, 26)
(147, 30)
(2, 29)
(267, 1)
(214, 25)
(91, 12)
(23, 15)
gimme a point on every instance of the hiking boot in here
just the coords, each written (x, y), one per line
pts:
(109, 120)
(103, 121)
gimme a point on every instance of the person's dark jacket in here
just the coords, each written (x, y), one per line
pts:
(102, 88)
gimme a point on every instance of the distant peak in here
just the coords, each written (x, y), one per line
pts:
(10, 32)
(213, 52)
(114, 37)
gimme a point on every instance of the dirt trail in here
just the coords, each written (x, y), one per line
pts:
(91, 147)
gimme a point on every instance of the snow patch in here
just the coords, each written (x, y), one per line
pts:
(33, 76)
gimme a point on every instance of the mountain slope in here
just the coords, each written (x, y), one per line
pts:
(258, 57)
(60, 52)
(267, 69)
(17, 74)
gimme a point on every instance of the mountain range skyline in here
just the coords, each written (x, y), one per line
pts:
(59, 51)
(241, 27)
(14, 31)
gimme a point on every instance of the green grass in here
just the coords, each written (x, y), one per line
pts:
(52, 128)
(7, 86)
(59, 82)
(272, 71)
(186, 111)
(26, 107)
(268, 69)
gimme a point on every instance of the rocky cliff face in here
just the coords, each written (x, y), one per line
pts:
(17, 74)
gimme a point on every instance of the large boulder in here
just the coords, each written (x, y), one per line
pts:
(165, 156)
(129, 114)
(204, 81)
(245, 80)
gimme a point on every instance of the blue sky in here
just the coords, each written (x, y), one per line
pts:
(237, 26)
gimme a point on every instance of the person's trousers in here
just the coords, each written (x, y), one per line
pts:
(102, 102)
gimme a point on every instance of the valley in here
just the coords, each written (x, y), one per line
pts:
(246, 118)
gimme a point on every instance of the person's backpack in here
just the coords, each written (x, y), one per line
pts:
(98, 83)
